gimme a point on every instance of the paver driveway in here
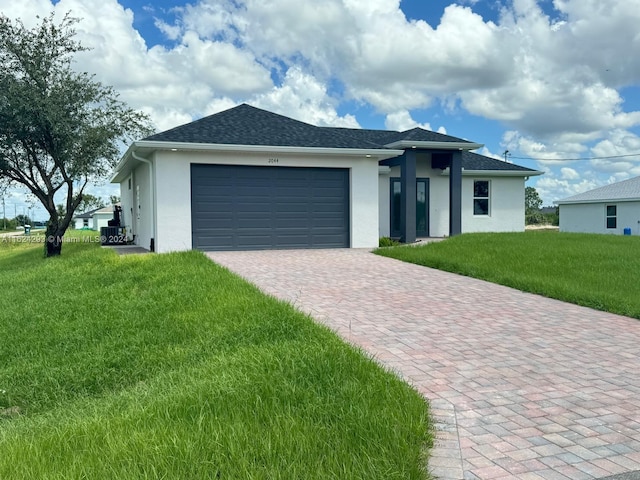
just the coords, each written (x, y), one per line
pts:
(521, 386)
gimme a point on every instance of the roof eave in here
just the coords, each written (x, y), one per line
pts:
(223, 147)
(498, 173)
(120, 172)
(408, 144)
(145, 147)
(601, 200)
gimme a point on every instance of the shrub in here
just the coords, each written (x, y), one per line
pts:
(387, 242)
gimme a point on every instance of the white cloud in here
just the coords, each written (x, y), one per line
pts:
(304, 98)
(618, 142)
(569, 173)
(544, 153)
(559, 82)
(176, 82)
(545, 76)
(26, 10)
(569, 177)
(551, 188)
(402, 120)
(550, 77)
(488, 153)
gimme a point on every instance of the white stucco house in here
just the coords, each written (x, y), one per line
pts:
(246, 178)
(94, 219)
(613, 209)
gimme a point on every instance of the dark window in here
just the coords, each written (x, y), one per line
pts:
(612, 216)
(422, 207)
(422, 214)
(395, 205)
(481, 197)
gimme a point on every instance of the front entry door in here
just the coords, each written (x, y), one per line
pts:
(422, 207)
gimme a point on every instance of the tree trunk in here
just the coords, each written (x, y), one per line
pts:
(53, 240)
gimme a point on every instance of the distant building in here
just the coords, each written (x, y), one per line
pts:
(94, 219)
(613, 209)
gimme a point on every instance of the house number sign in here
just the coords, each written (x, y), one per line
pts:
(273, 160)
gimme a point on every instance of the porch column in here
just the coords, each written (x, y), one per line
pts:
(408, 197)
(455, 194)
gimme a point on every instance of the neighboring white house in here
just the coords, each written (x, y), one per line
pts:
(94, 219)
(246, 178)
(613, 209)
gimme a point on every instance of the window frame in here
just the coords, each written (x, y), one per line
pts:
(608, 217)
(482, 198)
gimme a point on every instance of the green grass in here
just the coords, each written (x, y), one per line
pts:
(169, 367)
(597, 271)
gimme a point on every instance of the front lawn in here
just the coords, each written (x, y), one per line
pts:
(597, 271)
(168, 366)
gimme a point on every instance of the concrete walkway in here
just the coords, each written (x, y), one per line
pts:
(520, 386)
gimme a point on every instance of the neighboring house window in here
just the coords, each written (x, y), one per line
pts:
(85, 222)
(612, 216)
(481, 197)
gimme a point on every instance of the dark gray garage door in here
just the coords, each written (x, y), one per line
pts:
(253, 208)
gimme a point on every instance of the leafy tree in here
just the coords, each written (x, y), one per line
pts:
(8, 224)
(61, 210)
(113, 199)
(59, 129)
(532, 201)
(89, 202)
(23, 220)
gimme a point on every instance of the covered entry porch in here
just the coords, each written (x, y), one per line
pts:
(410, 193)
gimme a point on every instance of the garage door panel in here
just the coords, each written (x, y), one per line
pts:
(247, 207)
(328, 192)
(253, 223)
(250, 207)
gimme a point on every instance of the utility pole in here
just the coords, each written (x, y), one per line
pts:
(506, 155)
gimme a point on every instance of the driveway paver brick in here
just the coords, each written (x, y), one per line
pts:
(520, 386)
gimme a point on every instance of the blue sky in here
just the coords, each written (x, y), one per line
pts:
(546, 80)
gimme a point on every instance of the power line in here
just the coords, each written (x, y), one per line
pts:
(583, 159)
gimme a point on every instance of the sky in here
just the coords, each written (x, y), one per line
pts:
(555, 83)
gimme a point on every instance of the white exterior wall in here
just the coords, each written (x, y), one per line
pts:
(172, 174)
(173, 201)
(101, 220)
(591, 218)
(142, 206)
(126, 202)
(79, 223)
(364, 203)
(506, 205)
(506, 209)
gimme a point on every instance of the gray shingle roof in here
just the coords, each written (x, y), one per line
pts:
(421, 135)
(625, 190)
(385, 137)
(474, 161)
(88, 214)
(247, 125)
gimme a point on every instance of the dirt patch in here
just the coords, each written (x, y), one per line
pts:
(542, 227)
(10, 412)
